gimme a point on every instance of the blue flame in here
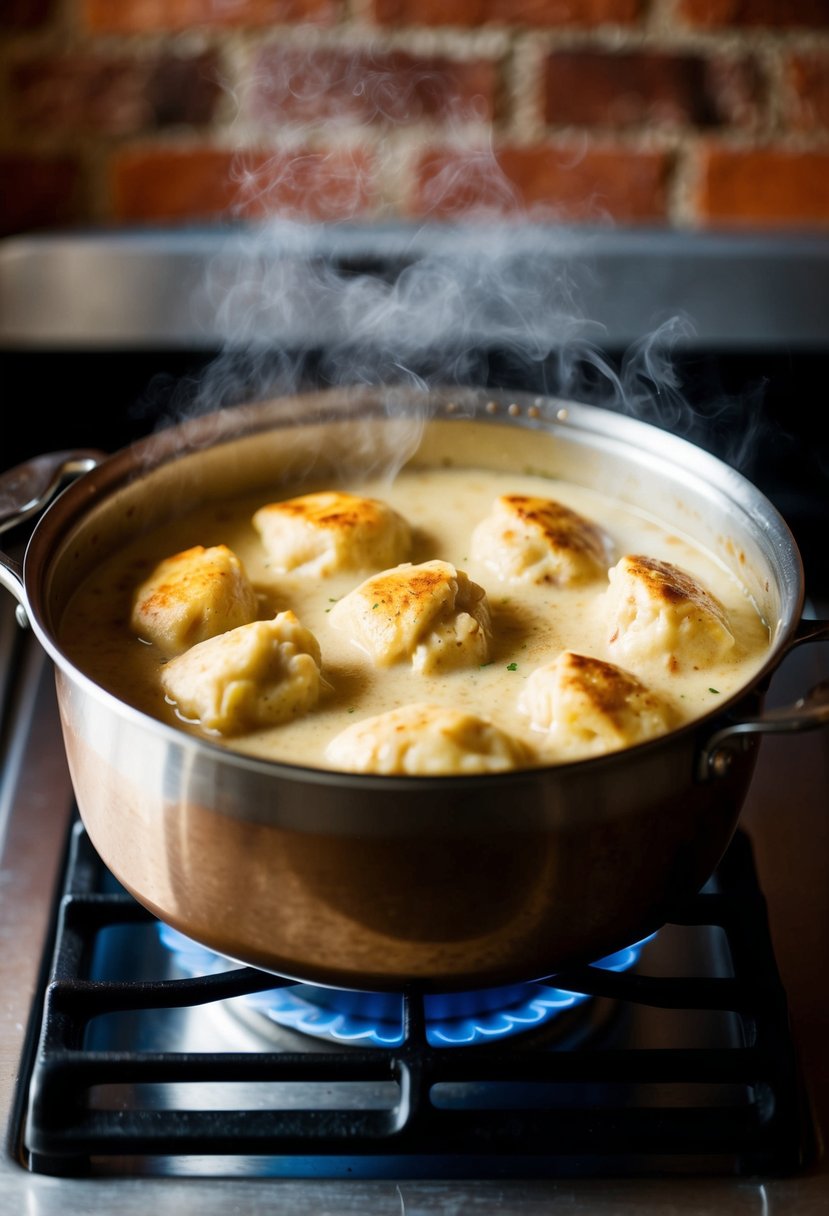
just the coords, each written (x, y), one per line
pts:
(376, 1018)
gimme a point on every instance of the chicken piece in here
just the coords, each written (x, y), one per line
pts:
(432, 614)
(427, 740)
(538, 540)
(260, 674)
(192, 596)
(589, 707)
(658, 612)
(330, 531)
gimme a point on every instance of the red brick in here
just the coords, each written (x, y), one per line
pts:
(764, 187)
(38, 193)
(807, 82)
(629, 88)
(544, 182)
(536, 13)
(779, 13)
(138, 16)
(114, 96)
(153, 184)
(160, 185)
(361, 86)
(25, 14)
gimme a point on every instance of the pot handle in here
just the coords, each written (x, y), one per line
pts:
(26, 491)
(807, 713)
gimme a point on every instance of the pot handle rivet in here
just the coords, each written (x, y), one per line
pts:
(720, 762)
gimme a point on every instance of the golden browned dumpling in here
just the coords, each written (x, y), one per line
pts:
(431, 614)
(261, 674)
(587, 706)
(426, 740)
(329, 531)
(657, 612)
(539, 540)
(192, 596)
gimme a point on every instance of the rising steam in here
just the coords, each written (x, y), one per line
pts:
(313, 295)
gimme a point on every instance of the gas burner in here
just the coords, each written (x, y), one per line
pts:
(376, 1019)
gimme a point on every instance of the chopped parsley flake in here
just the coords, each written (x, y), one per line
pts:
(512, 667)
(716, 690)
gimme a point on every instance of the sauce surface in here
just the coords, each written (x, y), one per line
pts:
(531, 624)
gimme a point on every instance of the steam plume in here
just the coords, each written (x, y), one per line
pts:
(493, 295)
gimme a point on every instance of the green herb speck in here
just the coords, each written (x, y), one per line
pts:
(716, 690)
(512, 667)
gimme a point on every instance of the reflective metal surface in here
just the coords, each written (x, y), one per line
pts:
(172, 289)
(303, 872)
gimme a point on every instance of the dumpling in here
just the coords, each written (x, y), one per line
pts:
(192, 596)
(538, 540)
(658, 612)
(588, 706)
(260, 674)
(427, 740)
(330, 531)
(432, 614)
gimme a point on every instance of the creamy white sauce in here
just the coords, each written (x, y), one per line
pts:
(531, 624)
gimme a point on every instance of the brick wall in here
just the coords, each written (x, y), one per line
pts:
(682, 113)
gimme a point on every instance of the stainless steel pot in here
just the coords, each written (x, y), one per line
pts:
(380, 882)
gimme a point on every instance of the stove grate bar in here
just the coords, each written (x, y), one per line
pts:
(605, 1132)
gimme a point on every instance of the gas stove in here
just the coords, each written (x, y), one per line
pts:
(689, 1073)
(687, 1064)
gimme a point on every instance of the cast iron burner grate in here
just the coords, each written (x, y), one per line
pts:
(524, 1108)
